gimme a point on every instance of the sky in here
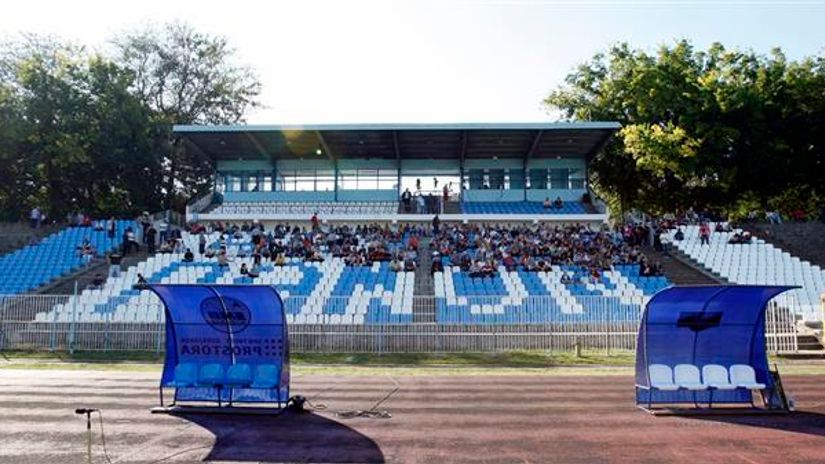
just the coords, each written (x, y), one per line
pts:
(427, 61)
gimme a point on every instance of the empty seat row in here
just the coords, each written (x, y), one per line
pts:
(712, 376)
(221, 376)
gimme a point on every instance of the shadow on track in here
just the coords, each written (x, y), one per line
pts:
(290, 437)
(809, 423)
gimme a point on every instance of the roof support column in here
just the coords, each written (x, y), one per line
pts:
(335, 179)
(397, 163)
(529, 155)
(461, 166)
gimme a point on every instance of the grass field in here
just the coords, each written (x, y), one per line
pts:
(501, 363)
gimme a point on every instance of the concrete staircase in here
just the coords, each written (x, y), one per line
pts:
(803, 239)
(423, 301)
(14, 235)
(85, 276)
(681, 269)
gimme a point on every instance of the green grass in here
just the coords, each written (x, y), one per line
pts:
(502, 363)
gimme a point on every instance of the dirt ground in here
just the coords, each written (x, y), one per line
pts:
(449, 418)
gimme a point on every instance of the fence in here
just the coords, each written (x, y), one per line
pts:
(352, 325)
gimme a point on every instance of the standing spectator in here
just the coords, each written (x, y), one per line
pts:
(406, 200)
(704, 233)
(111, 227)
(114, 264)
(315, 222)
(35, 217)
(131, 240)
(163, 230)
(201, 243)
(436, 224)
(150, 237)
(145, 222)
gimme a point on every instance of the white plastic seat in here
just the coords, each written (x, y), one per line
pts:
(743, 376)
(687, 376)
(661, 377)
(716, 376)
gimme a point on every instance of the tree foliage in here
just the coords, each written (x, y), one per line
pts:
(708, 129)
(80, 130)
(186, 77)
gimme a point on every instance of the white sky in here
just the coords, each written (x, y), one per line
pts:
(448, 61)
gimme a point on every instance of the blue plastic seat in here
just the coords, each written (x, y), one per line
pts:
(267, 376)
(186, 375)
(211, 375)
(238, 375)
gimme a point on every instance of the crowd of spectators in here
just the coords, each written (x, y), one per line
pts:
(362, 245)
(480, 249)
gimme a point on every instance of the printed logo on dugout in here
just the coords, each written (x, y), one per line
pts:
(233, 320)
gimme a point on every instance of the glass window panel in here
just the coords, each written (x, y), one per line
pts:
(560, 179)
(538, 179)
(266, 183)
(252, 183)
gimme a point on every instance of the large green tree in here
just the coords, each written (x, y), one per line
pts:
(709, 129)
(186, 77)
(73, 136)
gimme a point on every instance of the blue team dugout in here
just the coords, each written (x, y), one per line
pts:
(226, 344)
(704, 346)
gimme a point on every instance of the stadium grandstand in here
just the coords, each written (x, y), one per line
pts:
(469, 228)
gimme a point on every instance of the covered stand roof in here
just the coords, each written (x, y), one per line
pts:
(700, 325)
(398, 141)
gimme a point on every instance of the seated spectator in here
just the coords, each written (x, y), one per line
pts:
(244, 270)
(114, 264)
(223, 259)
(489, 268)
(165, 247)
(437, 265)
(280, 260)
(565, 279)
(508, 262)
(255, 271)
(141, 282)
(97, 282)
(409, 265)
(396, 266)
(679, 235)
(188, 257)
(547, 204)
(476, 269)
(558, 204)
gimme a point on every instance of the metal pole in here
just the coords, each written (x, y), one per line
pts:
(72, 326)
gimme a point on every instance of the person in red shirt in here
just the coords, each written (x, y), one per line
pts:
(704, 233)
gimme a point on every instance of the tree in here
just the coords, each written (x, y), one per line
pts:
(186, 77)
(74, 136)
(700, 128)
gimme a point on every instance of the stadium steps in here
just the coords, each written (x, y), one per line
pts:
(66, 285)
(14, 235)
(680, 269)
(86, 275)
(805, 240)
(424, 308)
